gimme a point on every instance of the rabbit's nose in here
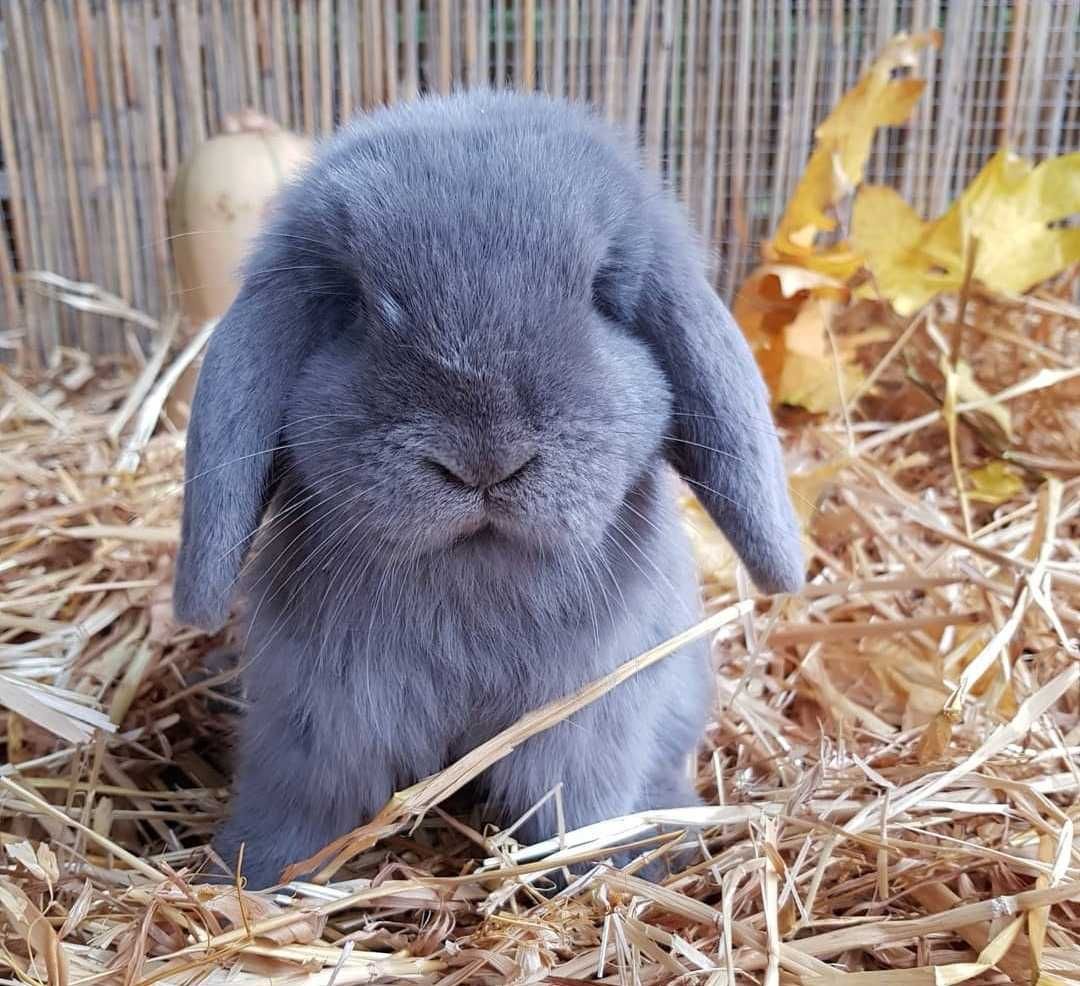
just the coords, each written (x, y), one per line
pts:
(507, 467)
(482, 475)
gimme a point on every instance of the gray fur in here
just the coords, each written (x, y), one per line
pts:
(469, 311)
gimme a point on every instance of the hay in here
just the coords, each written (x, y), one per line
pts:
(891, 779)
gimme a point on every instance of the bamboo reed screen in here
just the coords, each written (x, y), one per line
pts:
(100, 99)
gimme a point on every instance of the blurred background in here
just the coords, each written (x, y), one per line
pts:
(103, 101)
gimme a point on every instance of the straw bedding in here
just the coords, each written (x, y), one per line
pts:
(891, 778)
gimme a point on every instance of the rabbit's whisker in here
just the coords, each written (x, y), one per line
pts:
(715, 492)
(594, 559)
(275, 515)
(268, 232)
(648, 520)
(601, 558)
(282, 557)
(765, 426)
(360, 562)
(707, 448)
(359, 565)
(629, 535)
(226, 277)
(279, 564)
(251, 455)
(608, 536)
(586, 593)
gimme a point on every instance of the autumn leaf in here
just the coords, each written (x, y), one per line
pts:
(787, 332)
(762, 309)
(843, 143)
(995, 483)
(970, 391)
(40, 863)
(935, 739)
(785, 307)
(785, 313)
(713, 555)
(810, 486)
(812, 376)
(1007, 209)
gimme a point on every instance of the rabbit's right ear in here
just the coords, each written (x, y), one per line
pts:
(235, 426)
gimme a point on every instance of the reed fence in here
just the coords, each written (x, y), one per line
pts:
(101, 99)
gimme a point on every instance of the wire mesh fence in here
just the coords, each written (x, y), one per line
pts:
(101, 100)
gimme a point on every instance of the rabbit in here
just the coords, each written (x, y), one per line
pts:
(433, 450)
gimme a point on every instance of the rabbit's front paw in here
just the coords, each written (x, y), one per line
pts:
(265, 855)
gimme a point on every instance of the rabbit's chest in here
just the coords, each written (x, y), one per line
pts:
(457, 674)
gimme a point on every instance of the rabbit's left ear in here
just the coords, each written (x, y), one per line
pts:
(722, 438)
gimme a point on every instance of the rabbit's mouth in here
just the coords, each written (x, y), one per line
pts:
(488, 533)
(483, 535)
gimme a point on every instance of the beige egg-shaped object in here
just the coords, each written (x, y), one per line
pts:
(217, 204)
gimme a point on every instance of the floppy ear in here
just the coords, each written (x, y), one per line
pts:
(722, 437)
(235, 424)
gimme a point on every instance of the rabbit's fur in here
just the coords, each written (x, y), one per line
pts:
(469, 341)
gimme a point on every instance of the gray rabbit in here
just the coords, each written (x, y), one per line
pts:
(469, 343)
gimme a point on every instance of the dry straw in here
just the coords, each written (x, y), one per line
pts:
(891, 780)
(890, 784)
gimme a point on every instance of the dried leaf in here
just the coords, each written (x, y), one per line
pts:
(793, 279)
(41, 863)
(763, 310)
(995, 482)
(47, 861)
(784, 312)
(810, 377)
(714, 556)
(227, 904)
(935, 738)
(969, 390)
(716, 561)
(1007, 208)
(843, 145)
(809, 486)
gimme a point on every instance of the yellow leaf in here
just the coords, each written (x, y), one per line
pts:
(783, 311)
(890, 234)
(809, 377)
(969, 390)
(716, 561)
(995, 482)
(794, 279)
(763, 309)
(842, 146)
(811, 382)
(1006, 208)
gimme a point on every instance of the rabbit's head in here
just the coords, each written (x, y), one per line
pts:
(474, 347)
